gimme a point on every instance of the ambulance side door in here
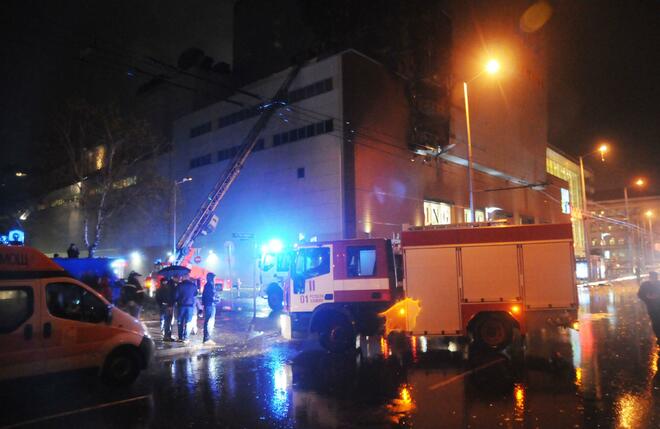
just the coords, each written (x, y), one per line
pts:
(73, 326)
(20, 339)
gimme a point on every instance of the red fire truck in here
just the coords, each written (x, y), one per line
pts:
(477, 283)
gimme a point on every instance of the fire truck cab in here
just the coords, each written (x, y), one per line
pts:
(337, 289)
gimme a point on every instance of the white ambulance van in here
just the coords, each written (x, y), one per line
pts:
(51, 322)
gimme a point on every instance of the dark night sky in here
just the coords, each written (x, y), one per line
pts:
(603, 75)
(604, 71)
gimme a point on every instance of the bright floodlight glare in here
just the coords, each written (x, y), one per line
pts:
(20, 174)
(649, 213)
(493, 66)
(603, 148)
(212, 258)
(136, 258)
(275, 246)
(640, 182)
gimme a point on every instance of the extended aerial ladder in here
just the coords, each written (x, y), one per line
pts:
(205, 214)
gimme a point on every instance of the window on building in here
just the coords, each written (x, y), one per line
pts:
(200, 161)
(303, 132)
(293, 96)
(479, 216)
(200, 129)
(72, 302)
(526, 220)
(16, 307)
(565, 201)
(361, 261)
(301, 173)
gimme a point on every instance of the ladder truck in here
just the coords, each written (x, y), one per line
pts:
(204, 217)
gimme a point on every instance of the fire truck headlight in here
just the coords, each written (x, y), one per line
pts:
(576, 325)
(515, 309)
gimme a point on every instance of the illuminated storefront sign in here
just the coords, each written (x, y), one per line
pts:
(436, 213)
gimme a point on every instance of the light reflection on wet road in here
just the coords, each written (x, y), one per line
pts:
(605, 375)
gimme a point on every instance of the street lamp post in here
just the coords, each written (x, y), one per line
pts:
(174, 188)
(492, 67)
(649, 217)
(633, 258)
(602, 149)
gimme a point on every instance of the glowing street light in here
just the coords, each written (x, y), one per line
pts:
(21, 174)
(492, 67)
(602, 149)
(176, 184)
(639, 183)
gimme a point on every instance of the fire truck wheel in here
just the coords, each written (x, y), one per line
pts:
(337, 334)
(493, 331)
(121, 368)
(275, 297)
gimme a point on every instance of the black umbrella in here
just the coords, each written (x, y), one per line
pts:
(174, 270)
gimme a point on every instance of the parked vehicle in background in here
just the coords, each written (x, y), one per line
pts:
(51, 322)
(274, 266)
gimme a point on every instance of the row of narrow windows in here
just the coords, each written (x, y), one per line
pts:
(309, 91)
(279, 139)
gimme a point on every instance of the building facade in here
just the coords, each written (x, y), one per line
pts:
(564, 167)
(336, 163)
(624, 244)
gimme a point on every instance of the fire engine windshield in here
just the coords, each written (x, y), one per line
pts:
(312, 262)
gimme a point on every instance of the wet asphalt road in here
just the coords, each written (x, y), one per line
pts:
(605, 375)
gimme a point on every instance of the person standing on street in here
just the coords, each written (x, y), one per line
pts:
(165, 300)
(186, 293)
(209, 302)
(133, 294)
(649, 292)
(72, 251)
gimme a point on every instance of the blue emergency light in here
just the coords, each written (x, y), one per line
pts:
(16, 236)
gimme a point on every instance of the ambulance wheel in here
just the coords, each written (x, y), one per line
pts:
(337, 334)
(493, 332)
(121, 368)
(275, 297)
